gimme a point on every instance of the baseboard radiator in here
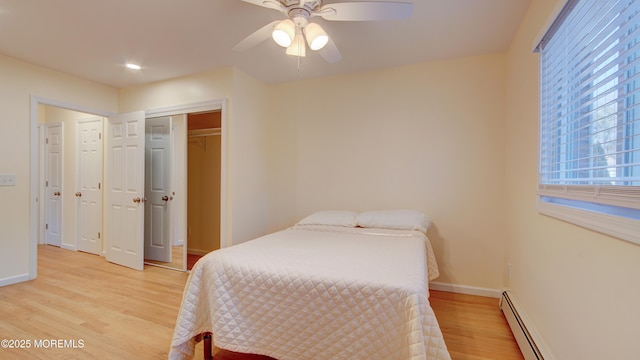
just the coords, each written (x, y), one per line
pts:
(526, 342)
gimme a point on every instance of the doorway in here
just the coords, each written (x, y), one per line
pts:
(69, 180)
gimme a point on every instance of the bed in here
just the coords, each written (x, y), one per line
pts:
(337, 285)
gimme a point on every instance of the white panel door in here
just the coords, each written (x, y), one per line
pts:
(53, 184)
(124, 190)
(89, 182)
(157, 230)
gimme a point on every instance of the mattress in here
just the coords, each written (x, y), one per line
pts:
(315, 292)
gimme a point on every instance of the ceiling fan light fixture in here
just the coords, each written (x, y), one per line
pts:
(317, 38)
(297, 48)
(284, 33)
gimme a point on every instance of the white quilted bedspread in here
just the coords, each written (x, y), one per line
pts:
(306, 293)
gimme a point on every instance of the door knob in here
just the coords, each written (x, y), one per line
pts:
(57, 193)
(165, 198)
(137, 200)
(78, 194)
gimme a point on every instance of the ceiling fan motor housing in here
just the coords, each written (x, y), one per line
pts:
(300, 17)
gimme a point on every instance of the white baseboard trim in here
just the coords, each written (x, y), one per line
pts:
(464, 289)
(14, 279)
(69, 247)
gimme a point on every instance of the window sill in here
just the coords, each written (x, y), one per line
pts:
(619, 227)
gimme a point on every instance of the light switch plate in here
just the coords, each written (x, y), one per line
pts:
(7, 179)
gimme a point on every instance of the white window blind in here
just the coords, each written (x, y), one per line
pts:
(590, 107)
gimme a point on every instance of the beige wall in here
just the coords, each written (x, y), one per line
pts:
(248, 159)
(427, 137)
(580, 288)
(207, 86)
(19, 82)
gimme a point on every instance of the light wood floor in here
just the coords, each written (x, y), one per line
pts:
(120, 313)
(474, 328)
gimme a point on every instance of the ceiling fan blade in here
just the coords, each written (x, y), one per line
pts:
(257, 37)
(366, 11)
(330, 52)
(271, 4)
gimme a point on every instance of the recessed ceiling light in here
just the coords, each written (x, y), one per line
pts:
(133, 66)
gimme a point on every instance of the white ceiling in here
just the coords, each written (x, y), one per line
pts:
(93, 38)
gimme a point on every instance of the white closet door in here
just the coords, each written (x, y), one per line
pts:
(157, 237)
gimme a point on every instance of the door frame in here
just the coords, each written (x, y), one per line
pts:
(34, 166)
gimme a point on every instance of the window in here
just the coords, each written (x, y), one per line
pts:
(589, 170)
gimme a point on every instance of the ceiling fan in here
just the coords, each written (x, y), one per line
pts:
(292, 32)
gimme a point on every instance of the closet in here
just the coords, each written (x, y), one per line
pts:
(203, 183)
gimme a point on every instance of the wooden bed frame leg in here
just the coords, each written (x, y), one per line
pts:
(207, 346)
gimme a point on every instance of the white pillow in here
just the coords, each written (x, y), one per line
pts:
(331, 217)
(394, 219)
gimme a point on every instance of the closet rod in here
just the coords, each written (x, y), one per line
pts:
(204, 132)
